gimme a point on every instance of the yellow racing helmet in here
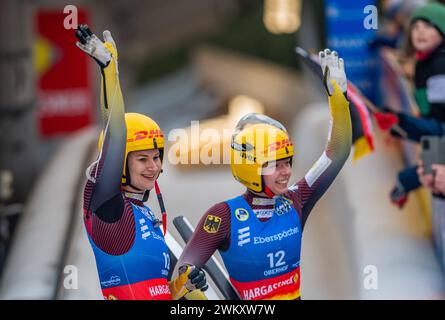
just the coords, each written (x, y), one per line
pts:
(143, 133)
(256, 141)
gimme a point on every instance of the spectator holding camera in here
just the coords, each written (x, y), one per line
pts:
(435, 181)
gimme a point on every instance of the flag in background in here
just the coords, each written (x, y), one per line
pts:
(396, 91)
(397, 95)
(362, 130)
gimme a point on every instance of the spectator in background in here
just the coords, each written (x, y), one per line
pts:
(396, 23)
(397, 15)
(427, 35)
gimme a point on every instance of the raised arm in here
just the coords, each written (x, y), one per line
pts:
(317, 180)
(106, 175)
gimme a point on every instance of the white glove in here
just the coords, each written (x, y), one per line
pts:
(92, 45)
(333, 68)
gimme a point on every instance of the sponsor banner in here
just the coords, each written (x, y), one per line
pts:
(155, 289)
(243, 236)
(348, 34)
(275, 237)
(264, 213)
(283, 286)
(65, 99)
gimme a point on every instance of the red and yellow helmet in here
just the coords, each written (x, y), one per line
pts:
(143, 133)
(257, 140)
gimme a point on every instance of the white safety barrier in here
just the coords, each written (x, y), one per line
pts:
(31, 270)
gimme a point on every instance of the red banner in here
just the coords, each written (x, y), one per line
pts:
(64, 92)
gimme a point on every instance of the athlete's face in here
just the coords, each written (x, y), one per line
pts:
(276, 175)
(144, 167)
(425, 36)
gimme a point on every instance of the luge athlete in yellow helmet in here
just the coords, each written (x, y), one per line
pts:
(132, 257)
(258, 234)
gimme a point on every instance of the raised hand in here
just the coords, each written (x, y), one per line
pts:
(93, 46)
(333, 68)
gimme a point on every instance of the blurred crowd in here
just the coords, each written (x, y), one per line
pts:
(414, 33)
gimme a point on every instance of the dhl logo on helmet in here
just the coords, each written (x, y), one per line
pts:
(278, 145)
(140, 135)
(272, 148)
